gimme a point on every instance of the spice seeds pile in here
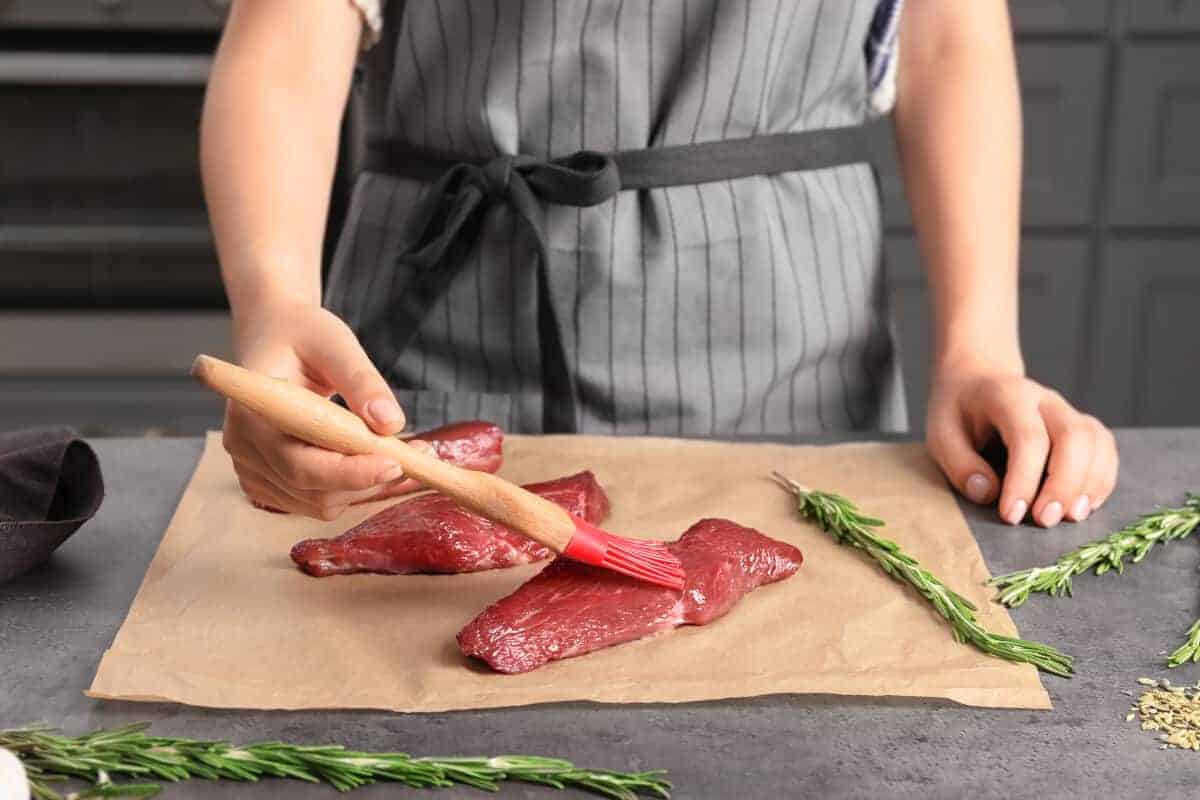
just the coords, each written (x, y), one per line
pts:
(1173, 711)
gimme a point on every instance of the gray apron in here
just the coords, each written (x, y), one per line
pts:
(742, 304)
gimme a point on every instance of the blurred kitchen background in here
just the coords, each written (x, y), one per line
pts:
(109, 284)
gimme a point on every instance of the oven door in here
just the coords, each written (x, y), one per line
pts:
(100, 197)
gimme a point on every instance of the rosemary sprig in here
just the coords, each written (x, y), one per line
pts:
(841, 518)
(1189, 650)
(96, 757)
(1131, 542)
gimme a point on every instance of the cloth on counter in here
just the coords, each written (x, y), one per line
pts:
(50, 484)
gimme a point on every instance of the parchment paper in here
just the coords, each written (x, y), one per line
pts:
(224, 619)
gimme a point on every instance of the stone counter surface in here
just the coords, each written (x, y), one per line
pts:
(56, 622)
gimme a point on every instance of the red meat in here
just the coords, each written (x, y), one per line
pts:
(569, 609)
(432, 533)
(472, 445)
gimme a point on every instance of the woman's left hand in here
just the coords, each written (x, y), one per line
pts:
(1043, 433)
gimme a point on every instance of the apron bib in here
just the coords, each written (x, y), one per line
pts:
(621, 217)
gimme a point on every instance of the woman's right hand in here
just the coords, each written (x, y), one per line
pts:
(307, 345)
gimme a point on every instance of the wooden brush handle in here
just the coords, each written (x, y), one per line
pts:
(311, 418)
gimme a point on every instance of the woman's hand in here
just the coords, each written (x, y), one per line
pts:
(1042, 432)
(303, 343)
(268, 146)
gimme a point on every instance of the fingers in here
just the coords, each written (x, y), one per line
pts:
(1075, 451)
(1072, 450)
(1045, 437)
(345, 367)
(1015, 416)
(318, 504)
(303, 466)
(279, 471)
(1102, 477)
(263, 494)
(951, 447)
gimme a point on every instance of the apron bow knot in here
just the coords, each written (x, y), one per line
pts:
(445, 225)
(496, 174)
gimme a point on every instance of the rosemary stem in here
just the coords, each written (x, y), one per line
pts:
(1189, 650)
(1131, 544)
(843, 520)
(97, 757)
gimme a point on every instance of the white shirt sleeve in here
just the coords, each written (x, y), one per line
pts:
(372, 16)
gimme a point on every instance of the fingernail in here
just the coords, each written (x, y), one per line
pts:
(1052, 514)
(384, 410)
(1016, 512)
(978, 487)
(393, 473)
(1081, 509)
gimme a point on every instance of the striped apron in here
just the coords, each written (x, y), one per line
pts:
(746, 304)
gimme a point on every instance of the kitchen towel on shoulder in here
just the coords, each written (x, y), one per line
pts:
(50, 484)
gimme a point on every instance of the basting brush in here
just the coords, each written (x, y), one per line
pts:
(311, 418)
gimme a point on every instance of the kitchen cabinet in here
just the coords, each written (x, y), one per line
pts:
(1163, 16)
(109, 372)
(189, 15)
(96, 405)
(1046, 16)
(1144, 365)
(1155, 162)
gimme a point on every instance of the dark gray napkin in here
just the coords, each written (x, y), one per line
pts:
(50, 484)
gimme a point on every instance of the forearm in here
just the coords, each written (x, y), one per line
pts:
(269, 144)
(958, 130)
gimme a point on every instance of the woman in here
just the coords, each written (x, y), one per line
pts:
(720, 274)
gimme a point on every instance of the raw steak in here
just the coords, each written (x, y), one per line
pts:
(569, 609)
(434, 534)
(472, 445)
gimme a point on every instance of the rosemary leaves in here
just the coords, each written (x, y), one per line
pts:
(1131, 542)
(841, 518)
(50, 757)
(1189, 650)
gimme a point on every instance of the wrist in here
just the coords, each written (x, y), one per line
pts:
(250, 300)
(983, 358)
(264, 283)
(265, 319)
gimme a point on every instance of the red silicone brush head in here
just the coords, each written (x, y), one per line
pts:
(638, 558)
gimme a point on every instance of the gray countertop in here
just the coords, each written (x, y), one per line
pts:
(56, 621)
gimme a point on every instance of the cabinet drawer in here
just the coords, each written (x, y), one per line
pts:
(111, 407)
(1165, 16)
(1144, 368)
(201, 15)
(1060, 16)
(107, 344)
(108, 267)
(1155, 162)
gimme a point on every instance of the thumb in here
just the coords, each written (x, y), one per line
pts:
(342, 363)
(951, 448)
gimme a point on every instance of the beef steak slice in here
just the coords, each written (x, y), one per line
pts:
(432, 533)
(569, 608)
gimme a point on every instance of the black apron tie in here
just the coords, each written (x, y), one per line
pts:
(445, 224)
(444, 227)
